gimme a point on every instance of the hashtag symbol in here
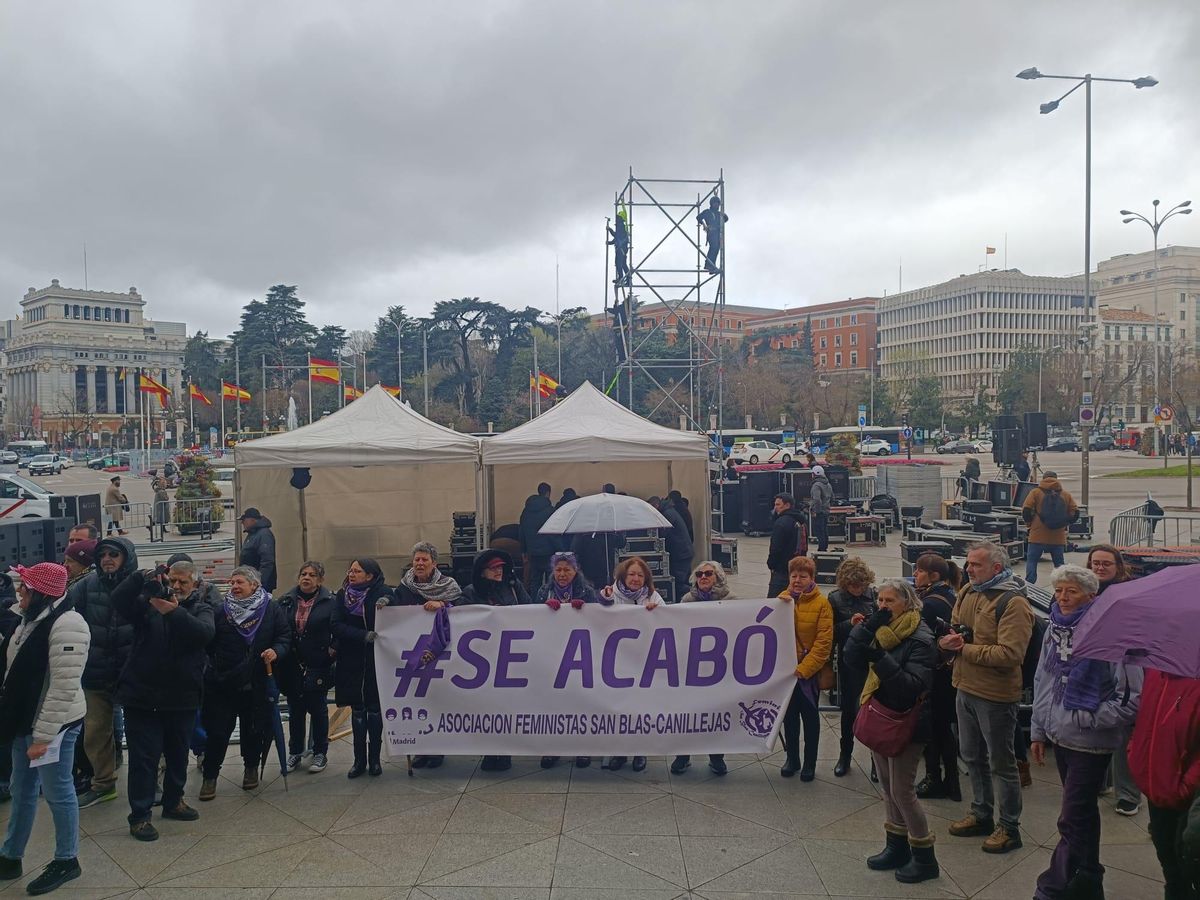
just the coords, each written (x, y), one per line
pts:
(416, 669)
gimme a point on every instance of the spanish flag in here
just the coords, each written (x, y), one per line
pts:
(546, 386)
(148, 385)
(394, 391)
(233, 392)
(196, 394)
(352, 393)
(324, 371)
(988, 251)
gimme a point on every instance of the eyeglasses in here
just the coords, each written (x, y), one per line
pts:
(1099, 564)
(109, 554)
(706, 574)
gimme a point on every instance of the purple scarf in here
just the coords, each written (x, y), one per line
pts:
(1077, 683)
(354, 597)
(562, 593)
(247, 614)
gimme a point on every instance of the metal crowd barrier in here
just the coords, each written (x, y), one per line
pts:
(862, 487)
(1138, 527)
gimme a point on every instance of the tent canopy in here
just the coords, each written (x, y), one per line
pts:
(590, 427)
(375, 430)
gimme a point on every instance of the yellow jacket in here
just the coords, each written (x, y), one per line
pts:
(814, 631)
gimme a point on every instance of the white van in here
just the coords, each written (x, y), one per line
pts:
(21, 498)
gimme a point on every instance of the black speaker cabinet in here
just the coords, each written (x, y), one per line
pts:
(839, 481)
(1002, 422)
(31, 546)
(1035, 430)
(54, 538)
(10, 544)
(1007, 445)
(758, 501)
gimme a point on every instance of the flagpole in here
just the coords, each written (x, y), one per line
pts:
(263, 399)
(237, 383)
(191, 410)
(310, 389)
(222, 417)
(537, 374)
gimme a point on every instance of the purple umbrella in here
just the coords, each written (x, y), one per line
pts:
(1153, 622)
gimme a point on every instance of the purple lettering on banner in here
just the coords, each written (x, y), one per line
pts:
(714, 655)
(661, 655)
(577, 656)
(768, 651)
(470, 657)
(608, 664)
(506, 656)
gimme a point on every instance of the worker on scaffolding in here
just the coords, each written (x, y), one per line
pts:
(619, 241)
(713, 221)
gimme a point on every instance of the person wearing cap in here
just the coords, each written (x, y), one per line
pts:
(112, 636)
(258, 548)
(114, 505)
(819, 502)
(41, 702)
(80, 560)
(161, 686)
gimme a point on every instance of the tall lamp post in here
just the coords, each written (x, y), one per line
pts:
(1041, 357)
(399, 365)
(1155, 223)
(1085, 81)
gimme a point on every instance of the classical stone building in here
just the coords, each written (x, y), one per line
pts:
(72, 360)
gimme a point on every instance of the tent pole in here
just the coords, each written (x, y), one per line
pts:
(303, 526)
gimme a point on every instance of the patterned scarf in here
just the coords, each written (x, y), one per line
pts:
(354, 595)
(889, 637)
(622, 594)
(304, 607)
(247, 614)
(440, 587)
(1076, 683)
(558, 592)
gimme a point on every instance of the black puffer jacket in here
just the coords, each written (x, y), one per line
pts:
(234, 665)
(537, 510)
(258, 550)
(905, 672)
(310, 647)
(165, 670)
(785, 538)
(112, 636)
(508, 591)
(845, 605)
(355, 655)
(679, 542)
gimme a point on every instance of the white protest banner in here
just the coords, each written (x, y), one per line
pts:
(527, 680)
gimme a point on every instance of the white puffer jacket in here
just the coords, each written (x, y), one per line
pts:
(62, 700)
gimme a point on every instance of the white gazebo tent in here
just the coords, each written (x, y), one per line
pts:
(589, 439)
(383, 477)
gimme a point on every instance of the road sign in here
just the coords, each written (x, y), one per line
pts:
(862, 421)
(907, 432)
(1087, 398)
(1087, 415)
(1166, 413)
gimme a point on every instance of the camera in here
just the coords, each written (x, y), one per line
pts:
(156, 585)
(968, 635)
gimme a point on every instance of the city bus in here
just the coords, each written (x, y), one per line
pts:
(893, 434)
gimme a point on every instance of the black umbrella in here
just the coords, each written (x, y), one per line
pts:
(277, 726)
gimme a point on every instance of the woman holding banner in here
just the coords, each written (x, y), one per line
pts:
(814, 646)
(633, 585)
(424, 584)
(708, 584)
(567, 585)
(353, 623)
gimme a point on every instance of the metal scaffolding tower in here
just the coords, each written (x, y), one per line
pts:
(668, 264)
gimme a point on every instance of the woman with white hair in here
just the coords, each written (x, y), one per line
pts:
(708, 584)
(424, 584)
(895, 649)
(251, 633)
(1084, 708)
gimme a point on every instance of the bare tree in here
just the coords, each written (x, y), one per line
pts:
(76, 421)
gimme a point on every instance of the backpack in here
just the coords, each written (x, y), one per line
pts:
(1053, 511)
(1033, 652)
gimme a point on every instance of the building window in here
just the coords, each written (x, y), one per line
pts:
(837, 360)
(87, 313)
(76, 315)
(824, 360)
(1183, 315)
(66, 310)
(1182, 298)
(837, 340)
(739, 325)
(107, 314)
(795, 344)
(854, 339)
(96, 313)
(824, 343)
(854, 359)
(854, 319)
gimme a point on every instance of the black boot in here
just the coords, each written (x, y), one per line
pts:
(716, 762)
(790, 767)
(951, 789)
(375, 743)
(1085, 886)
(931, 788)
(843, 764)
(358, 723)
(615, 763)
(791, 746)
(897, 852)
(923, 865)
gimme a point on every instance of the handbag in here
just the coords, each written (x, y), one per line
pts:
(884, 730)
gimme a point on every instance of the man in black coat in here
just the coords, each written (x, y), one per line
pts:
(786, 536)
(536, 548)
(161, 686)
(682, 507)
(112, 636)
(680, 550)
(258, 549)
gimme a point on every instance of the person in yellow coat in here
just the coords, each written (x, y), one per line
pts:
(814, 646)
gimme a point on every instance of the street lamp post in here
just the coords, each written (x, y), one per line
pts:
(1155, 223)
(1085, 81)
(1041, 357)
(399, 365)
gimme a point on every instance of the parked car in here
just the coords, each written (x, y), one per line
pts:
(874, 447)
(983, 446)
(1062, 445)
(9, 457)
(959, 446)
(23, 462)
(756, 452)
(21, 498)
(1101, 442)
(47, 464)
(111, 460)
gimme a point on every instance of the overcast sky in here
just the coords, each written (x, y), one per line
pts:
(380, 153)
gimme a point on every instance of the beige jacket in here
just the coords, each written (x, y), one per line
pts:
(990, 666)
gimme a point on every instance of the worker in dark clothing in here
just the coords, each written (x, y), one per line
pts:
(713, 221)
(680, 550)
(619, 240)
(258, 549)
(680, 503)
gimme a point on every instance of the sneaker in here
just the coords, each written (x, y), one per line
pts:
(680, 764)
(144, 831)
(208, 790)
(181, 812)
(318, 763)
(1002, 841)
(971, 826)
(293, 762)
(92, 797)
(55, 875)
(1128, 808)
(10, 869)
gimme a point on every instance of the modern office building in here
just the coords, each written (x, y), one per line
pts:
(964, 330)
(1128, 281)
(72, 360)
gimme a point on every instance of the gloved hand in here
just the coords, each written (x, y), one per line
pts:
(577, 603)
(370, 638)
(381, 603)
(874, 653)
(554, 603)
(880, 617)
